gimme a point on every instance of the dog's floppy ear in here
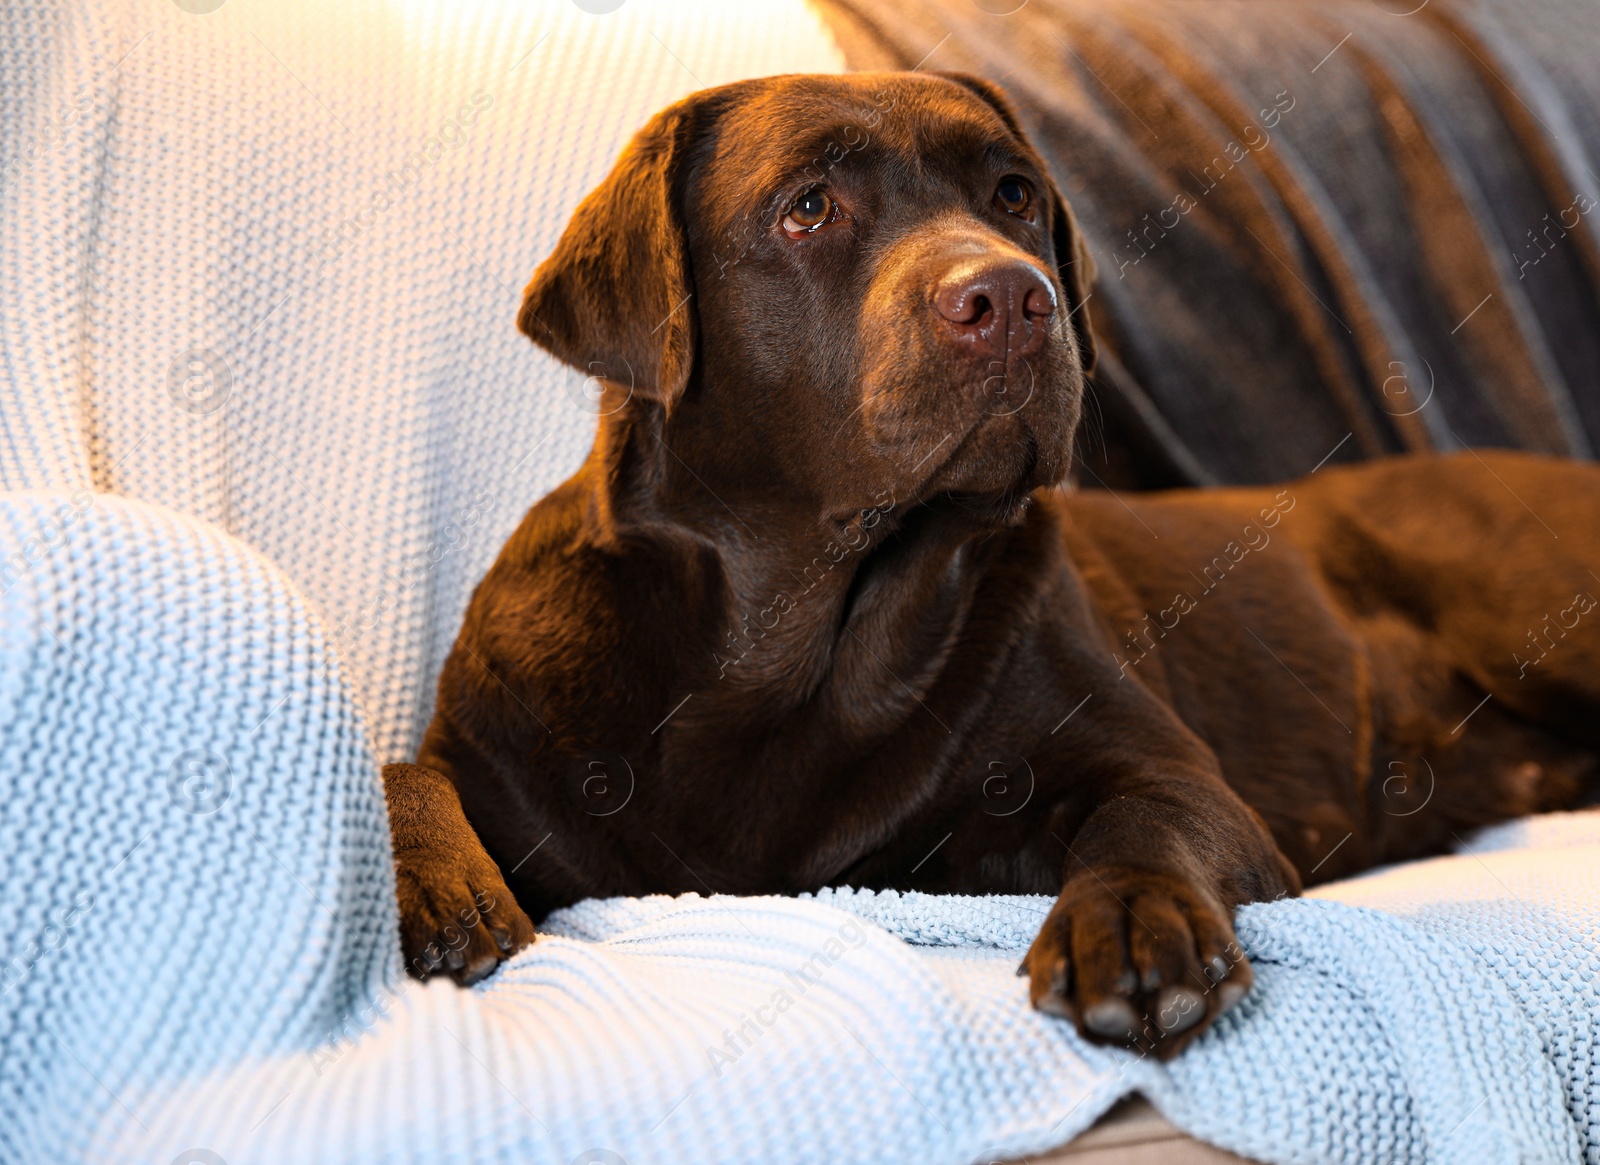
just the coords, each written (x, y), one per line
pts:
(1074, 264)
(613, 300)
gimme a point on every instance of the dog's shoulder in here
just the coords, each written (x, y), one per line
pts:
(575, 591)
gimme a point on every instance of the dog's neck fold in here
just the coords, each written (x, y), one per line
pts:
(850, 618)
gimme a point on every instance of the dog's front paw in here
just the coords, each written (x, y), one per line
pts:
(457, 916)
(1136, 958)
(456, 913)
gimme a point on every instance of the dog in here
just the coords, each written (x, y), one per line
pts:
(821, 608)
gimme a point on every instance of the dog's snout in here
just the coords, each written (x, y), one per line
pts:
(1000, 308)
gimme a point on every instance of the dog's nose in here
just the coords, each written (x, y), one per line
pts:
(1001, 307)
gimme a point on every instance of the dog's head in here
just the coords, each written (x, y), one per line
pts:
(835, 286)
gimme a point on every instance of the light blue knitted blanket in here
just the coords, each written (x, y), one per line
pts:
(202, 958)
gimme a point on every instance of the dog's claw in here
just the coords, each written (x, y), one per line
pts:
(1178, 1010)
(1057, 1006)
(480, 969)
(1113, 1018)
(1229, 995)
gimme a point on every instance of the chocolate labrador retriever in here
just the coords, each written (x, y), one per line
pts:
(819, 610)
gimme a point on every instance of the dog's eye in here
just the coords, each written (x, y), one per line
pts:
(810, 211)
(1014, 196)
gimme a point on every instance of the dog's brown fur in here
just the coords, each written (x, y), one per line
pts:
(815, 611)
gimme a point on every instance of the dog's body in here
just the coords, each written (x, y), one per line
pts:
(816, 611)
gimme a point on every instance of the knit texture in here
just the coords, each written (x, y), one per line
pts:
(193, 844)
